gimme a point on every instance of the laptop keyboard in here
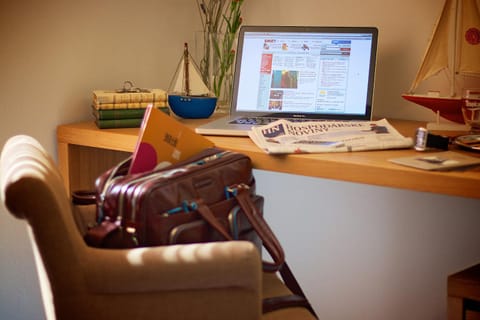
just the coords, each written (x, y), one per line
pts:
(260, 121)
(256, 121)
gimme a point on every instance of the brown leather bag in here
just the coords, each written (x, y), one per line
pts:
(209, 197)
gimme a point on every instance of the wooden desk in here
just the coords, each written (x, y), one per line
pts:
(84, 151)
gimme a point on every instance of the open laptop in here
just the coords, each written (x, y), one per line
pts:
(299, 73)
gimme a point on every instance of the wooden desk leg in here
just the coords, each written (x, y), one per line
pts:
(454, 308)
(81, 165)
(64, 163)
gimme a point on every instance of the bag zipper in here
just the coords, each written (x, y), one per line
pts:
(133, 179)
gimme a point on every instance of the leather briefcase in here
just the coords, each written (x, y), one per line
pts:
(209, 197)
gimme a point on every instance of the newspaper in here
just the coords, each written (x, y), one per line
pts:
(283, 136)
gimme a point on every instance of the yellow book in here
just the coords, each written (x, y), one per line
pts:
(112, 96)
(164, 139)
(128, 105)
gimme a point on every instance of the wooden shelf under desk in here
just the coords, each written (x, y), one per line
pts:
(84, 151)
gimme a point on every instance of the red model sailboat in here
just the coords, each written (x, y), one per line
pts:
(454, 48)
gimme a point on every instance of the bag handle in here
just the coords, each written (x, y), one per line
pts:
(209, 217)
(84, 197)
(269, 240)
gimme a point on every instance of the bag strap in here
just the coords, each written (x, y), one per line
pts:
(210, 218)
(291, 282)
(269, 240)
(291, 301)
(274, 248)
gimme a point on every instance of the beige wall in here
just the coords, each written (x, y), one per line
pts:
(54, 52)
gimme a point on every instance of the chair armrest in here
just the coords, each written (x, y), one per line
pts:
(176, 267)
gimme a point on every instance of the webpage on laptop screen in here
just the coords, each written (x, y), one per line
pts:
(308, 73)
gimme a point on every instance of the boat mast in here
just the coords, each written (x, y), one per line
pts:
(456, 46)
(185, 69)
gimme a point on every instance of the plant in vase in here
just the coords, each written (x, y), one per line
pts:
(221, 20)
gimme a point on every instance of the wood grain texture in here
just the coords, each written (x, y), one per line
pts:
(368, 167)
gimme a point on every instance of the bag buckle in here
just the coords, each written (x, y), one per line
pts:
(185, 207)
(232, 191)
(133, 233)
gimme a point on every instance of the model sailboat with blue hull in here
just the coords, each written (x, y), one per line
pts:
(189, 97)
(455, 48)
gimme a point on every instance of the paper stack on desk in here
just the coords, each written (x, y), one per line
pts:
(285, 136)
(445, 160)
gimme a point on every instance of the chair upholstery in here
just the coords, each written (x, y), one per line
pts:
(463, 289)
(221, 280)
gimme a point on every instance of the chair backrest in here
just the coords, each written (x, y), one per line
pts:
(32, 189)
(197, 281)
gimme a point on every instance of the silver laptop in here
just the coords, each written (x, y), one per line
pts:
(299, 73)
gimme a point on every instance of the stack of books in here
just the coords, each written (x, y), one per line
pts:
(113, 109)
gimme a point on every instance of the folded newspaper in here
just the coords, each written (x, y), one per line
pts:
(283, 136)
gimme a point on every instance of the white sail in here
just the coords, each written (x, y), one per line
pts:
(469, 59)
(436, 56)
(463, 51)
(197, 86)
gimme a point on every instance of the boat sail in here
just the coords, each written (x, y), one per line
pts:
(189, 97)
(455, 49)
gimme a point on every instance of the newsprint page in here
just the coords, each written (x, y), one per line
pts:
(284, 136)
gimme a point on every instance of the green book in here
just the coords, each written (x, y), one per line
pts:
(115, 114)
(118, 123)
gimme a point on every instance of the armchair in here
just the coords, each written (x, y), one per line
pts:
(221, 280)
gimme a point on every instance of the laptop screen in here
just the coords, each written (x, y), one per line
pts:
(305, 72)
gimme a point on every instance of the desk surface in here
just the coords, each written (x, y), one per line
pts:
(370, 167)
